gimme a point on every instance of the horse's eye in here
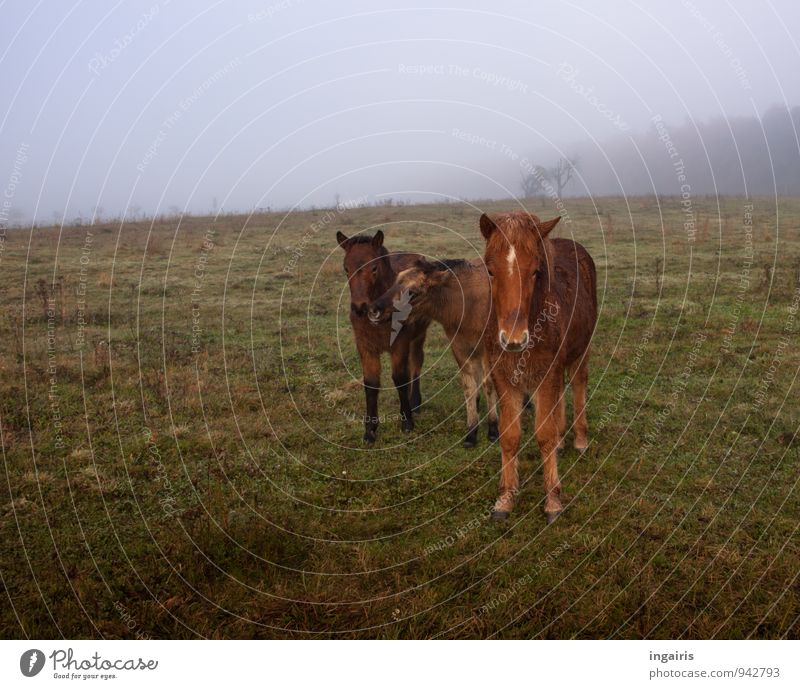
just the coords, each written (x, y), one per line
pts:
(374, 270)
(491, 274)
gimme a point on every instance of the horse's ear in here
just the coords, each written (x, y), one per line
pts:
(544, 228)
(436, 275)
(342, 238)
(487, 226)
(377, 240)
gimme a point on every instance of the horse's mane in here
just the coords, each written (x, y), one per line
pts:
(441, 264)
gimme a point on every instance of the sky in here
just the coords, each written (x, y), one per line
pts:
(125, 108)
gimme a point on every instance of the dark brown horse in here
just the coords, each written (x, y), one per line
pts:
(544, 310)
(370, 271)
(454, 292)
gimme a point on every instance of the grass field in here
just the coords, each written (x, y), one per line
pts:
(182, 452)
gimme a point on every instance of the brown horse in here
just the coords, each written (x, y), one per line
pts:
(370, 271)
(544, 310)
(454, 292)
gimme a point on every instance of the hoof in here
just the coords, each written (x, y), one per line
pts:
(369, 438)
(494, 434)
(552, 516)
(500, 514)
(407, 426)
(471, 439)
(559, 451)
(581, 451)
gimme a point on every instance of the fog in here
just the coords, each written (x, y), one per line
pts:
(126, 109)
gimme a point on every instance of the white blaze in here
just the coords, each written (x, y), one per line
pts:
(512, 259)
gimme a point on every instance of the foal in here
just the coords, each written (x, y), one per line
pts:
(544, 309)
(456, 294)
(370, 271)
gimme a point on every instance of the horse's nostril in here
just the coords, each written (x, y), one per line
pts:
(516, 345)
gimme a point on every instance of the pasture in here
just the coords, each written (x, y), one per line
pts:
(182, 418)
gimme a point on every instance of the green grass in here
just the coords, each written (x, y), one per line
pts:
(226, 493)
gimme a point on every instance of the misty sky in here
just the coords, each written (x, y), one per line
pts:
(282, 103)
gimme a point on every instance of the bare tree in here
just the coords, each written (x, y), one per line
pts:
(562, 172)
(534, 183)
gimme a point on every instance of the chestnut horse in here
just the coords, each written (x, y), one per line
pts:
(454, 292)
(370, 271)
(544, 310)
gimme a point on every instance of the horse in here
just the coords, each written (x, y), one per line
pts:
(543, 315)
(371, 270)
(454, 292)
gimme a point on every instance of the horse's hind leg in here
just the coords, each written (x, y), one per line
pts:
(416, 357)
(579, 379)
(470, 381)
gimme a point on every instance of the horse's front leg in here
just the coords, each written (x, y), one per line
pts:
(402, 381)
(547, 401)
(416, 358)
(491, 398)
(511, 401)
(562, 419)
(371, 369)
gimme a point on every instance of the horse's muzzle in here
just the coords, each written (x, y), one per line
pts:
(513, 345)
(359, 309)
(376, 315)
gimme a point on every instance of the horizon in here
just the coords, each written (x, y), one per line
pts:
(533, 202)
